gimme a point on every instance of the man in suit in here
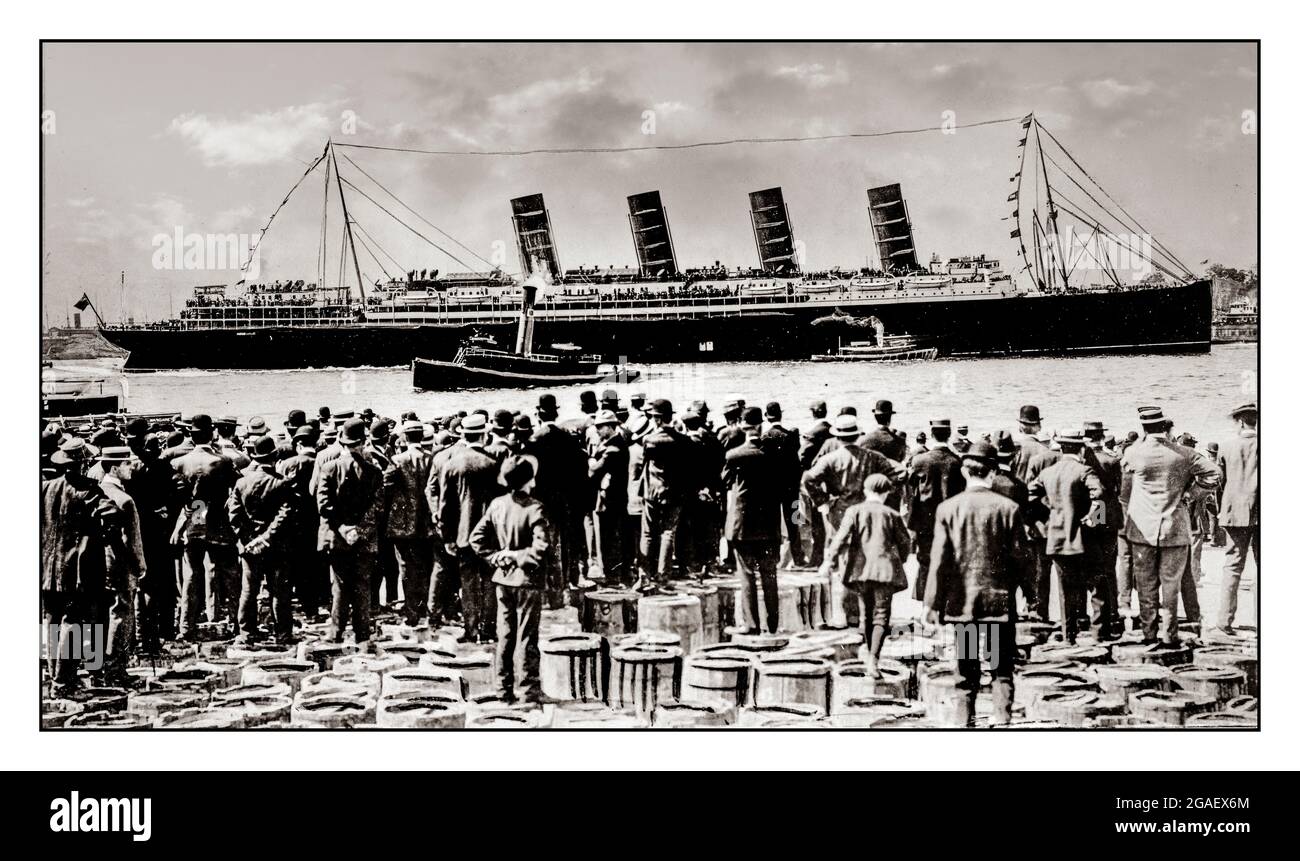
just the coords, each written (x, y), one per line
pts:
(664, 485)
(466, 484)
(883, 438)
(444, 586)
(783, 442)
(810, 446)
(261, 513)
(1028, 461)
(310, 573)
(977, 561)
(834, 485)
(935, 476)
(409, 520)
(561, 487)
(753, 525)
(125, 566)
(513, 539)
(210, 563)
(698, 528)
(732, 433)
(1073, 494)
(380, 450)
(1239, 506)
(153, 487)
(349, 498)
(1156, 523)
(607, 467)
(1104, 534)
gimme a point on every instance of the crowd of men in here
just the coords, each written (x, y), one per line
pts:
(481, 519)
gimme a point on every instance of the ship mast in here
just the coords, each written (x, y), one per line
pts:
(347, 224)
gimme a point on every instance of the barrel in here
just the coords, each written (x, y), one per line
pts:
(158, 702)
(944, 700)
(1089, 655)
(726, 587)
(782, 681)
(504, 719)
(1222, 719)
(253, 691)
(1124, 722)
(231, 670)
(204, 718)
(610, 612)
(640, 677)
(403, 631)
(416, 681)
(1033, 684)
(324, 654)
(668, 715)
(645, 638)
(1150, 653)
(411, 650)
(421, 712)
(789, 615)
(1219, 683)
(378, 664)
(196, 679)
(1237, 659)
(842, 644)
(55, 713)
(289, 671)
(338, 681)
(106, 719)
(1171, 708)
(710, 619)
(717, 678)
(673, 614)
(1242, 705)
(475, 668)
(572, 666)
(594, 716)
(759, 642)
(852, 680)
(260, 711)
(334, 710)
(103, 699)
(867, 711)
(1125, 679)
(783, 715)
(1073, 708)
(913, 649)
(261, 652)
(813, 596)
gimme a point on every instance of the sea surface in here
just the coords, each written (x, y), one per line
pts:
(1196, 391)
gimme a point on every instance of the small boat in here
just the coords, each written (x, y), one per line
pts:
(890, 348)
(479, 368)
(78, 391)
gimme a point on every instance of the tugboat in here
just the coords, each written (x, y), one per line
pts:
(479, 367)
(77, 391)
(885, 348)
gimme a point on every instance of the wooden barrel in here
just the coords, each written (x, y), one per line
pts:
(759, 642)
(191, 678)
(1033, 684)
(710, 612)
(1124, 679)
(1150, 653)
(850, 680)
(106, 719)
(504, 719)
(863, 712)
(1089, 655)
(913, 648)
(261, 652)
(906, 722)
(421, 712)
(254, 691)
(418, 681)
(641, 677)
(944, 700)
(1223, 656)
(814, 597)
(231, 670)
(337, 710)
(1124, 721)
(783, 681)
(593, 716)
(645, 638)
(288, 671)
(1219, 683)
(102, 699)
(475, 668)
(1223, 719)
(692, 714)
(789, 616)
(400, 631)
(1242, 705)
(411, 650)
(323, 654)
(1171, 708)
(781, 715)
(378, 664)
(55, 713)
(204, 718)
(843, 644)
(1073, 708)
(672, 614)
(610, 612)
(260, 711)
(726, 587)
(718, 677)
(156, 703)
(572, 667)
(338, 681)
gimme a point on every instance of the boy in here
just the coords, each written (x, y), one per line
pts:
(868, 552)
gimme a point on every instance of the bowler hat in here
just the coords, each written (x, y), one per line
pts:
(379, 429)
(752, 417)
(353, 432)
(1251, 407)
(1029, 415)
(691, 420)
(200, 422)
(662, 408)
(587, 398)
(137, 428)
(306, 433)
(264, 449)
(114, 454)
(883, 408)
(1094, 430)
(323, 412)
(772, 412)
(523, 424)
(503, 420)
(516, 472)
(1005, 445)
(297, 418)
(846, 426)
(981, 451)
(474, 423)
(546, 403)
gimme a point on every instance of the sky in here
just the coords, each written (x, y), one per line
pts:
(144, 140)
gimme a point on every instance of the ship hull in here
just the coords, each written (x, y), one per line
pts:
(1165, 320)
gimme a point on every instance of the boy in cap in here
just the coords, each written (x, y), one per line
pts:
(867, 555)
(513, 537)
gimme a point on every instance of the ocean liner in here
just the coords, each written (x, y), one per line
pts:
(659, 311)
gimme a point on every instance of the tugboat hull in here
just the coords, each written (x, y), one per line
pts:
(432, 375)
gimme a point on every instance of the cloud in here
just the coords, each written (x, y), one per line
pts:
(814, 75)
(80, 202)
(1108, 92)
(540, 94)
(257, 138)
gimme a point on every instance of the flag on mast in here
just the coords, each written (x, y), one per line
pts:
(83, 303)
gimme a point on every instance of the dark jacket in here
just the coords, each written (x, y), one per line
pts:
(466, 484)
(783, 443)
(514, 522)
(608, 469)
(124, 561)
(753, 494)
(75, 518)
(407, 506)
(206, 478)
(871, 546)
(262, 505)
(731, 436)
(935, 477)
(664, 477)
(1068, 487)
(887, 441)
(811, 442)
(977, 558)
(349, 492)
(836, 479)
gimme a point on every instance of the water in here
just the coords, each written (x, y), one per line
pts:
(1195, 391)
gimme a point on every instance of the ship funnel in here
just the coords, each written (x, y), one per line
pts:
(651, 236)
(891, 228)
(772, 232)
(524, 331)
(533, 237)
